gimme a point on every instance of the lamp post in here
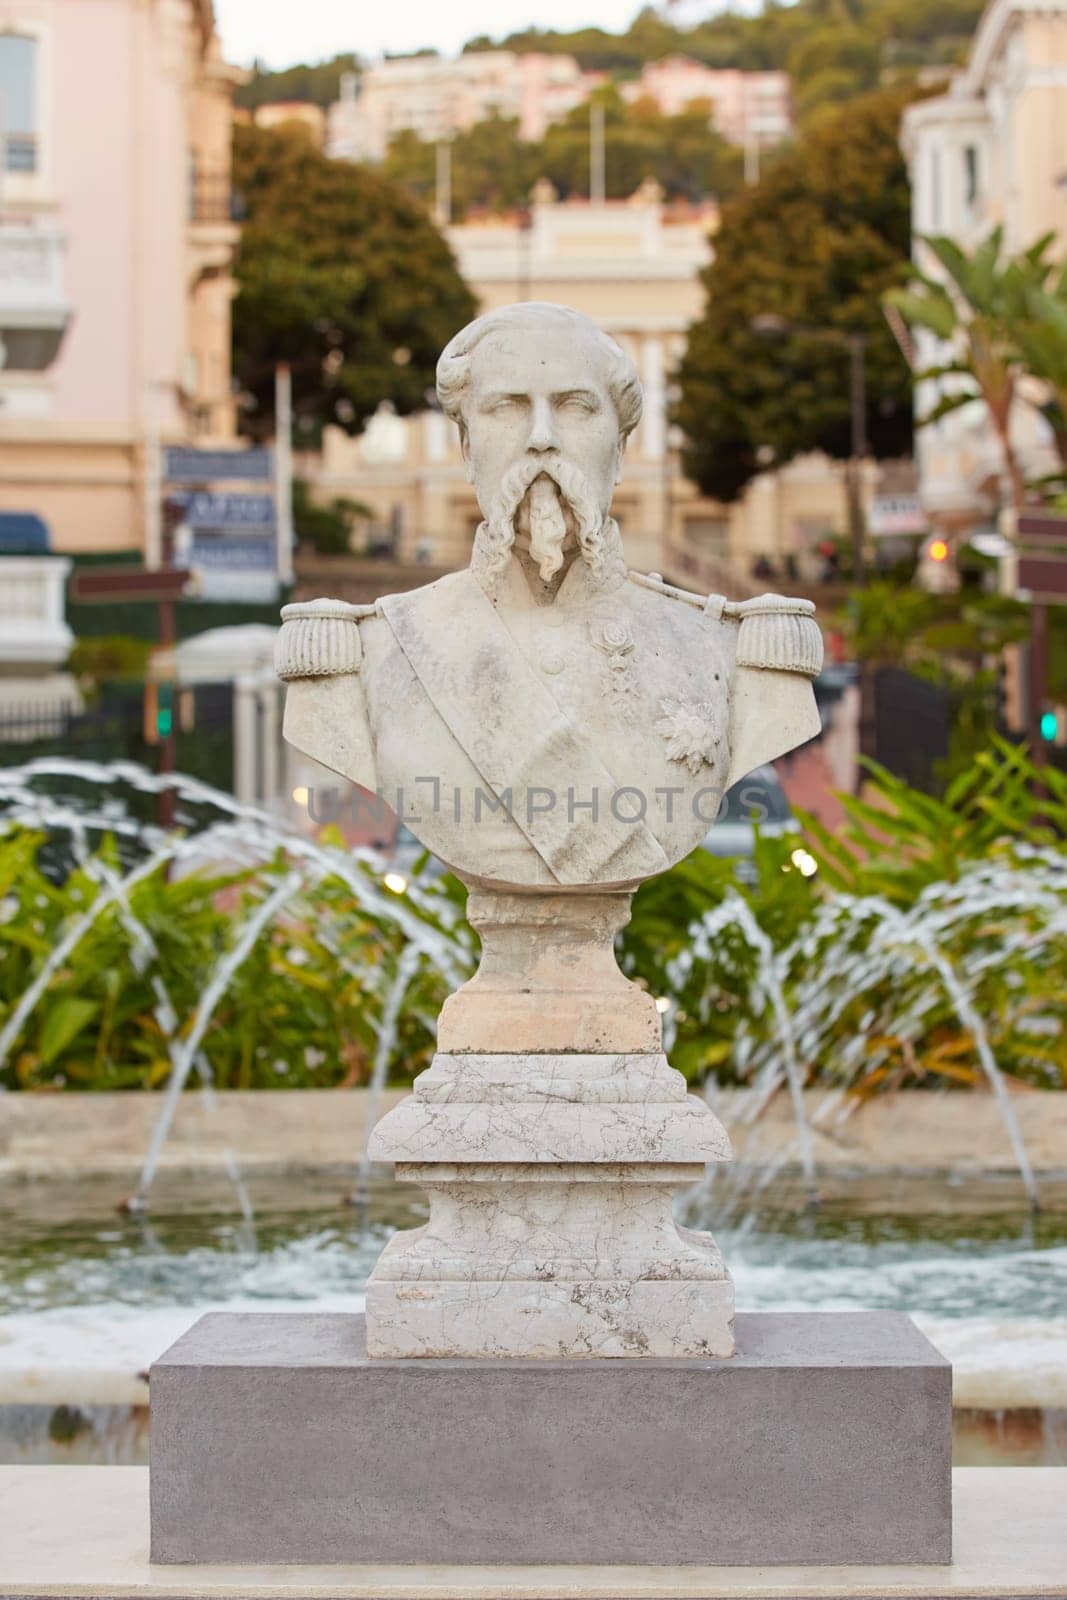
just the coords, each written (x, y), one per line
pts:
(772, 326)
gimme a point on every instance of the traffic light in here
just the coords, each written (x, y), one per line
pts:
(1052, 725)
(158, 712)
(937, 571)
(165, 712)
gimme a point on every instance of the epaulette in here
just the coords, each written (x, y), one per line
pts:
(319, 639)
(777, 633)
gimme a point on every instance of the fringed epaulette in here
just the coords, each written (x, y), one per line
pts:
(777, 633)
(319, 639)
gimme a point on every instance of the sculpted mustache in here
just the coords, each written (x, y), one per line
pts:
(573, 486)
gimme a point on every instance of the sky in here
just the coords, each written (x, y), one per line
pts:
(283, 32)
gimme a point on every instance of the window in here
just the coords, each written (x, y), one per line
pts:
(935, 189)
(970, 175)
(18, 102)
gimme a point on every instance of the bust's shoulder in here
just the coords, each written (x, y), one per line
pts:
(775, 632)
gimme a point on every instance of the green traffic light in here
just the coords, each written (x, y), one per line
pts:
(164, 722)
(1049, 726)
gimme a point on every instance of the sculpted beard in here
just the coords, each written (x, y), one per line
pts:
(554, 485)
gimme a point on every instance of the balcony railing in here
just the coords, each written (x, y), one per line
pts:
(212, 199)
(34, 310)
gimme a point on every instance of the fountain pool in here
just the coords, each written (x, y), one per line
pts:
(86, 1305)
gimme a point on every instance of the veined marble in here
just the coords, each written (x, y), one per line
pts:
(556, 729)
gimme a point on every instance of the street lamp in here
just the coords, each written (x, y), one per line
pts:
(770, 325)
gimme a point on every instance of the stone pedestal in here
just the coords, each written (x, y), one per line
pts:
(550, 1135)
(825, 1440)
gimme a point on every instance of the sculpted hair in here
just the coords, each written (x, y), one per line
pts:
(454, 366)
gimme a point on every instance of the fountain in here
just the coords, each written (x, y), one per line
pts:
(552, 726)
(519, 1333)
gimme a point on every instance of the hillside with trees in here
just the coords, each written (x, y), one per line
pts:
(834, 49)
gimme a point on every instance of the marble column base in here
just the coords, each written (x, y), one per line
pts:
(551, 1181)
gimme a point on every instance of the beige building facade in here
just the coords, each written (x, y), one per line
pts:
(991, 152)
(633, 266)
(116, 250)
(437, 97)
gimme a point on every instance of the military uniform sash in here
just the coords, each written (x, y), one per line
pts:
(506, 721)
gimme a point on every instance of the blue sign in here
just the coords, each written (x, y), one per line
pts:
(255, 553)
(183, 465)
(227, 512)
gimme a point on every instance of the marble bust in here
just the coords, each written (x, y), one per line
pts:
(546, 719)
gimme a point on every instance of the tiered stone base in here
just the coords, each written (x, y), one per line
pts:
(551, 1182)
(551, 1136)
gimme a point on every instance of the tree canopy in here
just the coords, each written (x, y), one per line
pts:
(343, 276)
(815, 245)
(318, 83)
(493, 169)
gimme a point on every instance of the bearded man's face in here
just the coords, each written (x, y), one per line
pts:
(542, 440)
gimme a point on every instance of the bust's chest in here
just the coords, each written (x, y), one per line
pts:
(621, 665)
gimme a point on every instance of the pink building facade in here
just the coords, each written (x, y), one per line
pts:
(116, 247)
(748, 108)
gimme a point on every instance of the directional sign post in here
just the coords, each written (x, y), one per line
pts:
(183, 465)
(235, 537)
(122, 584)
(1041, 580)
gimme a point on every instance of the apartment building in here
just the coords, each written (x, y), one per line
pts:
(116, 248)
(990, 152)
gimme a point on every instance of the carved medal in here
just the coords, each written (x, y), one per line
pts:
(693, 731)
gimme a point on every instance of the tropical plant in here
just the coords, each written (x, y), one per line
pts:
(975, 307)
(928, 944)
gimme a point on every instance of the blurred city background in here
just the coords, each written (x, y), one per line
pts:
(828, 232)
(233, 241)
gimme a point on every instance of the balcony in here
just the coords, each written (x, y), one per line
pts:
(212, 199)
(34, 310)
(215, 214)
(34, 636)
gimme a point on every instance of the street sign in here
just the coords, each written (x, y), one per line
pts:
(184, 465)
(893, 514)
(1043, 527)
(1041, 572)
(204, 509)
(102, 584)
(252, 553)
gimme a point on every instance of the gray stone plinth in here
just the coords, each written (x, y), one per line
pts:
(825, 1440)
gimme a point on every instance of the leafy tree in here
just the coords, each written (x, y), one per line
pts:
(1039, 325)
(319, 84)
(684, 154)
(327, 528)
(341, 275)
(976, 308)
(815, 244)
(492, 168)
